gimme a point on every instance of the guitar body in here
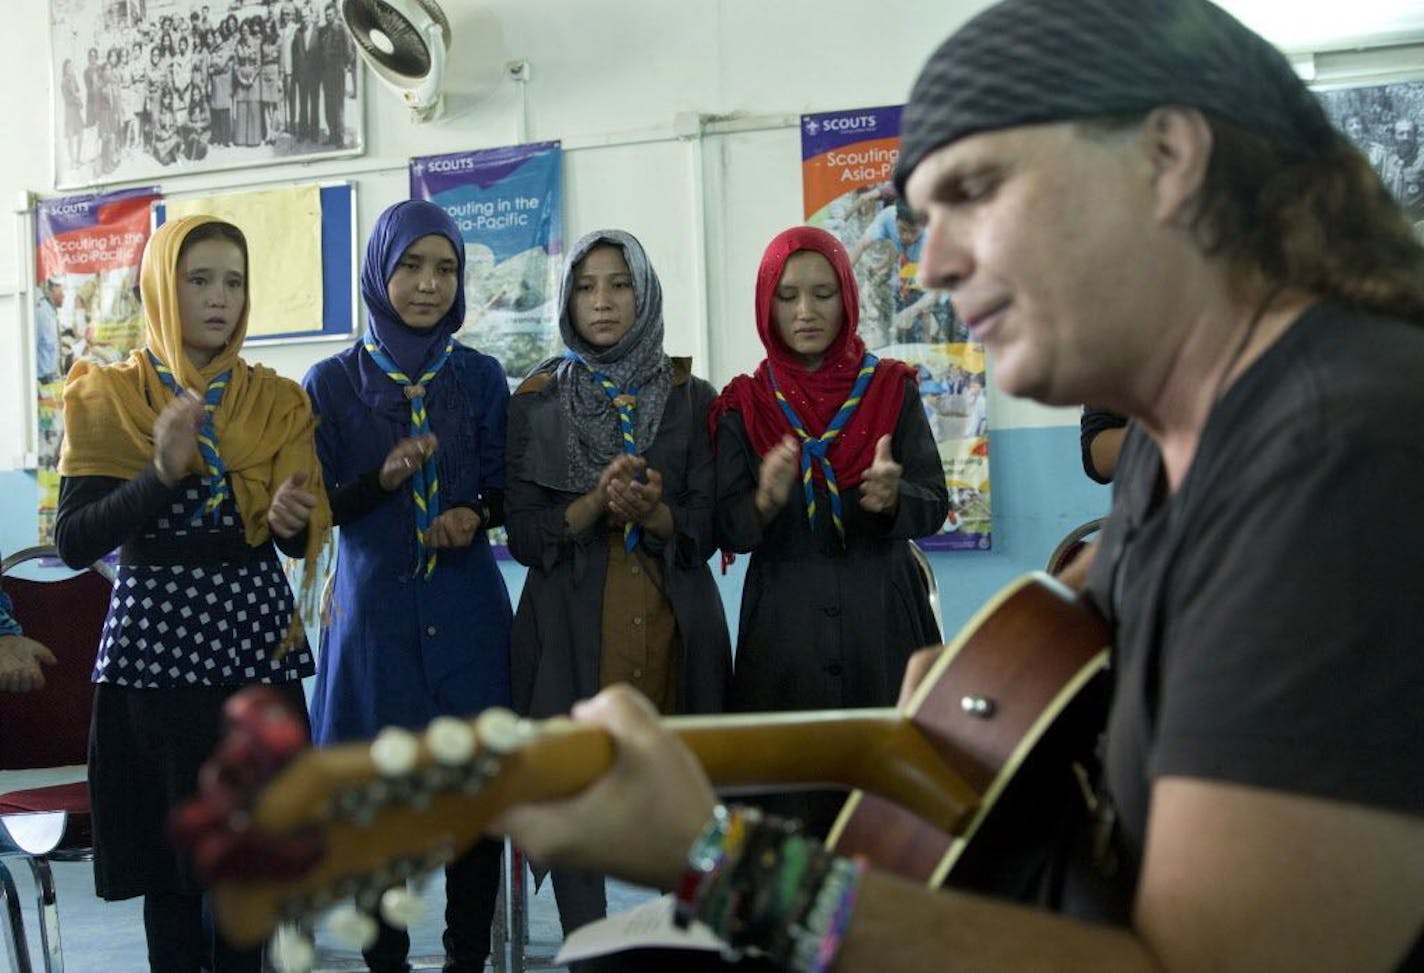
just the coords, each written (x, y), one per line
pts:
(1010, 706)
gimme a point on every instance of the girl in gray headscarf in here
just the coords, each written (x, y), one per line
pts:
(609, 504)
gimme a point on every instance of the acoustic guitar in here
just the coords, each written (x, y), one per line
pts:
(945, 788)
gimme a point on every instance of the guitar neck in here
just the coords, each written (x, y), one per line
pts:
(877, 750)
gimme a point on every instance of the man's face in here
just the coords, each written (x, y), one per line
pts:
(56, 295)
(1405, 135)
(1040, 235)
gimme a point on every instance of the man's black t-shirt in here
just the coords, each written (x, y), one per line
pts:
(1268, 625)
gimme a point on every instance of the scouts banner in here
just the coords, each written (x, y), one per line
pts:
(508, 204)
(847, 166)
(87, 254)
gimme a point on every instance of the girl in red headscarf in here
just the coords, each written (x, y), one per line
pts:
(826, 468)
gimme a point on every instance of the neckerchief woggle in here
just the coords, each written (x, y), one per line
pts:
(425, 482)
(815, 448)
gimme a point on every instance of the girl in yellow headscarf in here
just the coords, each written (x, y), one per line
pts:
(191, 463)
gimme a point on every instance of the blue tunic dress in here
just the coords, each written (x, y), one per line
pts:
(401, 649)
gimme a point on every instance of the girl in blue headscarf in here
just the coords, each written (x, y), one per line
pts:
(411, 440)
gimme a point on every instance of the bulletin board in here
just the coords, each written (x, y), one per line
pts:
(305, 237)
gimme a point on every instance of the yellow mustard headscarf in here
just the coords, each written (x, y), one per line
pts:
(264, 423)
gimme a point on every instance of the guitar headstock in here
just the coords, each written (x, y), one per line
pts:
(283, 832)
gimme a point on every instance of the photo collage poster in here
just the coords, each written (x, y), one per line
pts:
(1384, 121)
(145, 89)
(847, 164)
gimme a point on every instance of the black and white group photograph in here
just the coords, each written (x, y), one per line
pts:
(148, 87)
(1384, 121)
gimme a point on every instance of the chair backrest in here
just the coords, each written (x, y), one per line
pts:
(1072, 544)
(931, 583)
(50, 727)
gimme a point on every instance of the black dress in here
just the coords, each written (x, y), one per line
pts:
(826, 625)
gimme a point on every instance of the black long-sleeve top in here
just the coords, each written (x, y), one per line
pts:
(100, 514)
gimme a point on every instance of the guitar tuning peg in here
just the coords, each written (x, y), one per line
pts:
(399, 908)
(351, 927)
(500, 731)
(394, 751)
(293, 951)
(451, 741)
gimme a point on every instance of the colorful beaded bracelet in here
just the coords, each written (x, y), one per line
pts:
(766, 889)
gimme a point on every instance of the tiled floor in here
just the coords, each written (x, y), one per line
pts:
(107, 937)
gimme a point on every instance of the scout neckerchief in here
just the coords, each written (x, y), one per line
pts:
(425, 483)
(814, 448)
(218, 489)
(625, 402)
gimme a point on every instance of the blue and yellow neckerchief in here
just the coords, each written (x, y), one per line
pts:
(626, 403)
(816, 447)
(425, 482)
(218, 489)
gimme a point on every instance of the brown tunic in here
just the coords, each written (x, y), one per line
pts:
(640, 644)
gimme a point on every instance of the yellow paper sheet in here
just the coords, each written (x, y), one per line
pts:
(283, 230)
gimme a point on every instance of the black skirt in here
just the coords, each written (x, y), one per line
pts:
(145, 749)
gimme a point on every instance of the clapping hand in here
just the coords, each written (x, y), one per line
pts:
(175, 436)
(636, 501)
(291, 506)
(455, 527)
(624, 469)
(880, 483)
(778, 473)
(405, 458)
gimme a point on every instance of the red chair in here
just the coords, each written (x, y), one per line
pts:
(47, 736)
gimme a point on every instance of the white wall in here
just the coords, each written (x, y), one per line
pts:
(610, 78)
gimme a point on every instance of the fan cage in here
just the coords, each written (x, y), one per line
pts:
(409, 61)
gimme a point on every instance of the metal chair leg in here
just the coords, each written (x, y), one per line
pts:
(16, 946)
(516, 906)
(49, 915)
(499, 932)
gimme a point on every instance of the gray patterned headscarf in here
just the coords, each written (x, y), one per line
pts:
(1024, 62)
(593, 434)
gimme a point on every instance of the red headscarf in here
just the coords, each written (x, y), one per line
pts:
(815, 395)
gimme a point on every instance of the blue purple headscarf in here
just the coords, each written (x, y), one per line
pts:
(396, 229)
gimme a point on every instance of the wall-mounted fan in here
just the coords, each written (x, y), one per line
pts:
(405, 43)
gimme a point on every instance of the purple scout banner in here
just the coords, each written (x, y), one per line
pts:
(508, 204)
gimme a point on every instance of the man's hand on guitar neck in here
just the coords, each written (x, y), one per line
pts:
(656, 790)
